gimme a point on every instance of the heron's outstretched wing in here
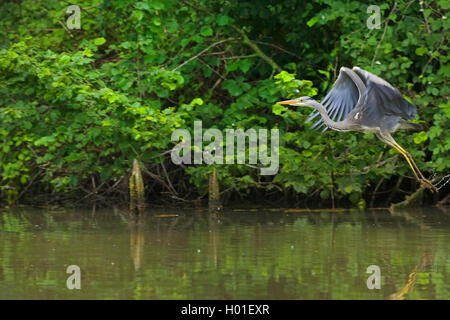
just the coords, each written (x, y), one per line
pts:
(382, 99)
(342, 98)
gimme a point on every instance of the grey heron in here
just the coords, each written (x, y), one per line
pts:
(362, 101)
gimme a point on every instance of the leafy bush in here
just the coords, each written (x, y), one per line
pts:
(77, 106)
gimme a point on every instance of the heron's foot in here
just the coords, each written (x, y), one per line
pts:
(428, 184)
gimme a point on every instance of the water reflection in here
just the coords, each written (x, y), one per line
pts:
(426, 257)
(137, 239)
(264, 254)
(426, 260)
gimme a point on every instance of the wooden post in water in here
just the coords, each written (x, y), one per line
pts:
(213, 192)
(136, 186)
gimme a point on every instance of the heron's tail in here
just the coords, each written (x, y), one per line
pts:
(413, 126)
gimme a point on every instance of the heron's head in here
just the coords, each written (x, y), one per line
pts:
(299, 102)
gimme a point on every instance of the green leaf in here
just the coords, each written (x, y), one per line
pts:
(307, 153)
(206, 31)
(99, 41)
(245, 65)
(142, 5)
(313, 21)
(420, 137)
(445, 4)
(156, 21)
(278, 109)
(348, 189)
(233, 88)
(421, 51)
(184, 42)
(232, 66)
(222, 20)
(197, 102)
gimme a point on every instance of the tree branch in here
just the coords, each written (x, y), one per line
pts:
(202, 52)
(256, 49)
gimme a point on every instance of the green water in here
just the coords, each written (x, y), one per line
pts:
(237, 255)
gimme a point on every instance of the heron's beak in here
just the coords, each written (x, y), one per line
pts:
(290, 102)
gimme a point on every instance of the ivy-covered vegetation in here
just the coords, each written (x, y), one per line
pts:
(78, 105)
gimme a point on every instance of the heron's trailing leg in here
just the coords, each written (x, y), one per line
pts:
(424, 181)
(387, 138)
(411, 159)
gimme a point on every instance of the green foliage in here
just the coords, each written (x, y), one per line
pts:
(77, 106)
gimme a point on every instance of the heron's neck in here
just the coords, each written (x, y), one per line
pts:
(339, 126)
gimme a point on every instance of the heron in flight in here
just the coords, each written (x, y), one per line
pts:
(362, 101)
